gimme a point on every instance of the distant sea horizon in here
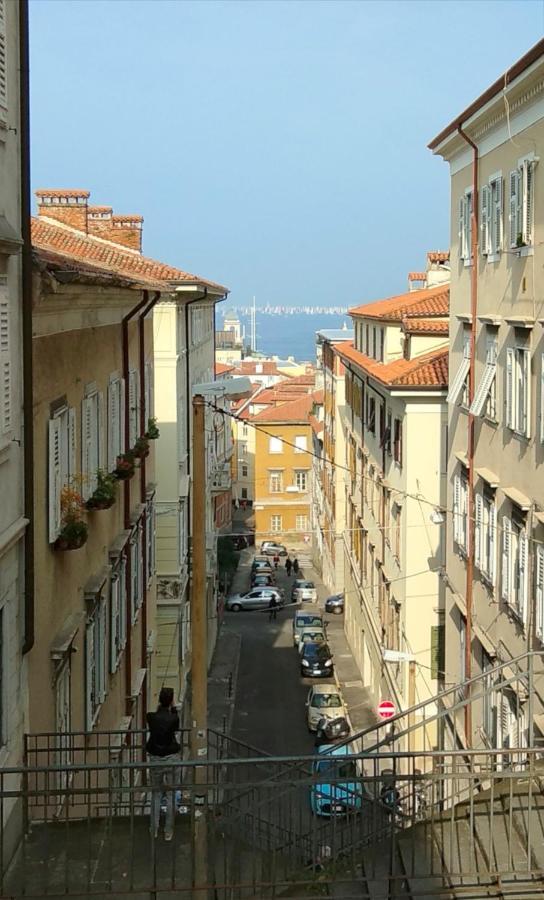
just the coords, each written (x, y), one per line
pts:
(288, 335)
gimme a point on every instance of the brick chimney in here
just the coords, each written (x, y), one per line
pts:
(99, 220)
(127, 231)
(67, 205)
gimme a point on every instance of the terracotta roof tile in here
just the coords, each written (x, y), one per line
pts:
(49, 235)
(426, 302)
(319, 396)
(438, 256)
(222, 368)
(417, 276)
(296, 411)
(67, 268)
(99, 209)
(425, 326)
(249, 367)
(62, 192)
(316, 425)
(428, 370)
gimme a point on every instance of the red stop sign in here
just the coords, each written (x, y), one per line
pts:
(386, 709)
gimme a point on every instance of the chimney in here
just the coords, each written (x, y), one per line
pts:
(417, 280)
(127, 231)
(99, 220)
(68, 206)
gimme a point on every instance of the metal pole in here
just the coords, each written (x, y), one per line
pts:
(199, 651)
(411, 702)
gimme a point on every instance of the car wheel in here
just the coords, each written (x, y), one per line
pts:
(236, 607)
(337, 611)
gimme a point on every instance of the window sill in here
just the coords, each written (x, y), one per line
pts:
(493, 257)
(487, 581)
(521, 252)
(467, 263)
(493, 422)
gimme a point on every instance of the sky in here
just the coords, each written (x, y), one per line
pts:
(279, 148)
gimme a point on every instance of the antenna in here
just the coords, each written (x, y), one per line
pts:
(253, 327)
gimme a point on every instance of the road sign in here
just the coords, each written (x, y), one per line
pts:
(386, 709)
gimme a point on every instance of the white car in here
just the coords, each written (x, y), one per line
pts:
(313, 634)
(304, 590)
(304, 619)
(256, 598)
(324, 702)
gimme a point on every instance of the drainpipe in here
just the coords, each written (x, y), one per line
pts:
(188, 381)
(26, 290)
(470, 447)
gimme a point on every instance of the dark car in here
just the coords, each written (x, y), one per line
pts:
(330, 730)
(316, 660)
(335, 604)
(239, 541)
(262, 580)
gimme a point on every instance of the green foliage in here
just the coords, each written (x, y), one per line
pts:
(152, 432)
(227, 560)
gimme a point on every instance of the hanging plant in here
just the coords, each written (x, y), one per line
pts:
(152, 432)
(124, 467)
(141, 448)
(74, 529)
(105, 492)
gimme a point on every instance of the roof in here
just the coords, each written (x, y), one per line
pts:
(438, 256)
(295, 412)
(249, 367)
(316, 425)
(318, 396)
(433, 301)
(497, 87)
(62, 192)
(66, 270)
(49, 235)
(427, 371)
(417, 276)
(222, 368)
(335, 334)
(273, 396)
(425, 326)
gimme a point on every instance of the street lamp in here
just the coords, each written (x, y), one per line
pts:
(232, 389)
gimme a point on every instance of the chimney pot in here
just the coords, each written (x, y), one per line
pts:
(67, 205)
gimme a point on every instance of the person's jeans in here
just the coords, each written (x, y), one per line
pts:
(163, 775)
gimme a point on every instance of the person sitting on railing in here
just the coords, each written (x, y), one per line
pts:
(164, 758)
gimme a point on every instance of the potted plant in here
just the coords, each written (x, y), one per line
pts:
(74, 530)
(104, 494)
(124, 467)
(141, 447)
(152, 432)
(520, 242)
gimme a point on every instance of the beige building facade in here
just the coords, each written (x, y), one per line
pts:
(495, 555)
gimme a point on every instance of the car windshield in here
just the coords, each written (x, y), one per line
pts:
(326, 701)
(306, 584)
(337, 768)
(302, 621)
(313, 638)
(317, 651)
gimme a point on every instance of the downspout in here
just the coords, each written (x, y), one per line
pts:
(470, 448)
(188, 383)
(26, 290)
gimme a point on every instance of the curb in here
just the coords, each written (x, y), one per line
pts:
(235, 668)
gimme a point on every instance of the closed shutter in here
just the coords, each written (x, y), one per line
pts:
(101, 432)
(133, 407)
(86, 446)
(114, 422)
(468, 223)
(515, 208)
(525, 425)
(114, 622)
(485, 226)
(478, 530)
(462, 235)
(496, 212)
(523, 576)
(510, 404)
(456, 507)
(6, 412)
(492, 525)
(3, 63)
(438, 645)
(506, 558)
(90, 675)
(539, 591)
(102, 642)
(55, 477)
(123, 603)
(542, 398)
(527, 205)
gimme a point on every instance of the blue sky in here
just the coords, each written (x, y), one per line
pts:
(276, 147)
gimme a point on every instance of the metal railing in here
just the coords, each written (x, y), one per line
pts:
(382, 823)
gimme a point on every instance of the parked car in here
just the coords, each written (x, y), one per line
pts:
(239, 541)
(256, 598)
(262, 579)
(270, 548)
(310, 635)
(335, 604)
(323, 702)
(262, 568)
(260, 561)
(331, 731)
(303, 590)
(316, 660)
(330, 796)
(303, 619)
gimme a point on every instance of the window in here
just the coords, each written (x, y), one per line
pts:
(459, 385)
(3, 63)
(485, 532)
(134, 407)
(397, 511)
(116, 419)
(300, 443)
(245, 430)
(371, 414)
(367, 339)
(518, 382)
(522, 185)
(118, 613)
(150, 529)
(438, 651)
(91, 439)
(485, 394)
(62, 463)
(275, 482)
(491, 217)
(462, 654)
(387, 438)
(301, 523)
(95, 662)
(244, 470)
(301, 480)
(465, 227)
(381, 345)
(6, 412)
(242, 447)
(149, 410)
(460, 508)
(136, 572)
(515, 555)
(539, 591)
(275, 445)
(244, 493)
(397, 441)
(275, 523)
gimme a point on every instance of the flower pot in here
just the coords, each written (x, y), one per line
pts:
(124, 474)
(141, 454)
(105, 503)
(70, 544)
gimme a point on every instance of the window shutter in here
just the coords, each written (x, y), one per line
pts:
(506, 557)
(122, 404)
(539, 591)
(526, 375)
(5, 360)
(54, 478)
(523, 576)
(114, 623)
(456, 507)
(515, 218)
(485, 226)
(459, 380)
(114, 424)
(478, 531)
(86, 448)
(133, 407)
(497, 216)
(123, 602)
(482, 391)
(468, 225)
(89, 675)
(527, 205)
(542, 398)
(101, 436)
(462, 236)
(3, 63)
(102, 653)
(492, 525)
(510, 405)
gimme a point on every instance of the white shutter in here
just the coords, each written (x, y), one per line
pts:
(468, 218)
(478, 530)
(506, 558)
(462, 233)
(114, 424)
(523, 576)
(123, 602)
(122, 405)
(3, 62)
(539, 591)
(496, 212)
(492, 525)
(133, 407)
(542, 398)
(510, 404)
(102, 637)
(459, 380)
(101, 437)
(515, 208)
(54, 477)
(114, 623)
(482, 391)
(527, 177)
(525, 425)
(89, 675)
(5, 360)
(485, 225)
(86, 445)
(456, 507)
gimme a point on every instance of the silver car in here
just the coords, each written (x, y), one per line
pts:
(256, 598)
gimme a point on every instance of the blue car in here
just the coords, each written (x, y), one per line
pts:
(344, 793)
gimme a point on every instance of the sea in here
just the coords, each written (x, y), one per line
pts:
(290, 335)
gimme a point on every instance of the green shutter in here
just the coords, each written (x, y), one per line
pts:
(437, 651)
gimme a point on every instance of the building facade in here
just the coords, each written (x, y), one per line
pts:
(495, 557)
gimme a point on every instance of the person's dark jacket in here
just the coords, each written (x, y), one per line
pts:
(163, 725)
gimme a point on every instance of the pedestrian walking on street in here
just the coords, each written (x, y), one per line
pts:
(276, 561)
(272, 609)
(164, 757)
(295, 566)
(288, 566)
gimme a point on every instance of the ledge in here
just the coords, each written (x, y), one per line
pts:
(94, 584)
(520, 321)
(118, 545)
(63, 640)
(517, 497)
(490, 320)
(488, 476)
(137, 683)
(462, 457)
(540, 517)
(464, 317)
